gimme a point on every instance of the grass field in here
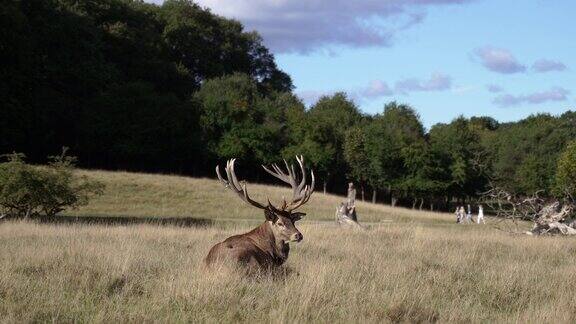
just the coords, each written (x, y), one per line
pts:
(408, 266)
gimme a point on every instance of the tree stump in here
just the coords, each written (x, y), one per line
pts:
(346, 212)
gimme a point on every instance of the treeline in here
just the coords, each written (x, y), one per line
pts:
(391, 153)
(116, 80)
(174, 88)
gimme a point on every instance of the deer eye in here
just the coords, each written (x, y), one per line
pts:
(281, 224)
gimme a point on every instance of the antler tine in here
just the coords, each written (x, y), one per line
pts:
(311, 188)
(303, 170)
(224, 182)
(308, 190)
(301, 192)
(276, 173)
(291, 173)
(232, 173)
(233, 184)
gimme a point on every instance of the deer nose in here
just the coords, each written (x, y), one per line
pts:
(298, 237)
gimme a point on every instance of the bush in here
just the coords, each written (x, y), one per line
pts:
(34, 191)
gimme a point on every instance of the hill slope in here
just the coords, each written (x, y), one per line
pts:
(148, 195)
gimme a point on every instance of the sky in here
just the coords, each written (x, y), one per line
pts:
(505, 59)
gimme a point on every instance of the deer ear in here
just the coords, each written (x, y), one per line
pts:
(270, 215)
(297, 216)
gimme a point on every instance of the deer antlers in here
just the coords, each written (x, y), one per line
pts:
(301, 191)
(233, 184)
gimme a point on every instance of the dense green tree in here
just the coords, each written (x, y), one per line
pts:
(389, 134)
(113, 79)
(237, 121)
(524, 154)
(232, 121)
(457, 146)
(321, 136)
(357, 157)
(175, 88)
(425, 177)
(565, 180)
(209, 46)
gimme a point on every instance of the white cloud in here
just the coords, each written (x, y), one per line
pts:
(304, 26)
(544, 65)
(437, 82)
(499, 60)
(553, 94)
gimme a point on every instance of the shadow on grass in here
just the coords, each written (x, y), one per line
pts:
(129, 220)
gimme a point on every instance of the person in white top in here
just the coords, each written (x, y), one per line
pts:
(480, 215)
(462, 214)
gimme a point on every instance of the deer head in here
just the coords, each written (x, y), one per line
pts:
(282, 217)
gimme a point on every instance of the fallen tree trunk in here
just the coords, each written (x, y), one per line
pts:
(548, 217)
(550, 221)
(346, 216)
(554, 228)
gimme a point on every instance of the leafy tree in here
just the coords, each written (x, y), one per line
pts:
(389, 134)
(358, 159)
(523, 155)
(321, 139)
(458, 147)
(93, 75)
(425, 177)
(210, 46)
(237, 122)
(565, 180)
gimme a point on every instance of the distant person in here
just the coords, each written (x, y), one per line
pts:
(480, 215)
(462, 214)
(469, 215)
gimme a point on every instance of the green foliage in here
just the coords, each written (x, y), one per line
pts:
(237, 121)
(457, 146)
(524, 155)
(113, 79)
(565, 180)
(357, 155)
(321, 134)
(175, 88)
(29, 191)
(387, 135)
(425, 175)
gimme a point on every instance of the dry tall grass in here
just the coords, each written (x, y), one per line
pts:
(148, 195)
(419, 268)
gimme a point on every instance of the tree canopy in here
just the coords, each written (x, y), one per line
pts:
(175, 88)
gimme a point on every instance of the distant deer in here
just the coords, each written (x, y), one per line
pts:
(266, 246)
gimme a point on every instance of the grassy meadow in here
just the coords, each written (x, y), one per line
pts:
(407, 266)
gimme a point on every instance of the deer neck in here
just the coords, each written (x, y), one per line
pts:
(268, 242)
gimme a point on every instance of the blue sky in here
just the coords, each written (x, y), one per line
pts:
(505, 59)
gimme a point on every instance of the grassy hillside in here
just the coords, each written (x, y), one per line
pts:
(147, 195)
(420, 267)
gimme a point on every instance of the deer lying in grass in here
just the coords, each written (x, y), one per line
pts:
(266, 246)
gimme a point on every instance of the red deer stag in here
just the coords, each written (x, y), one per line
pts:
(266, 246)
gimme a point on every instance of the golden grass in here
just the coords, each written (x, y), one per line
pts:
(418, 268)
(148, 195)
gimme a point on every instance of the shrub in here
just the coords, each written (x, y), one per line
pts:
(42, 191)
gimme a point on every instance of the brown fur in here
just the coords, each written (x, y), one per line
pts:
(264, 247)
